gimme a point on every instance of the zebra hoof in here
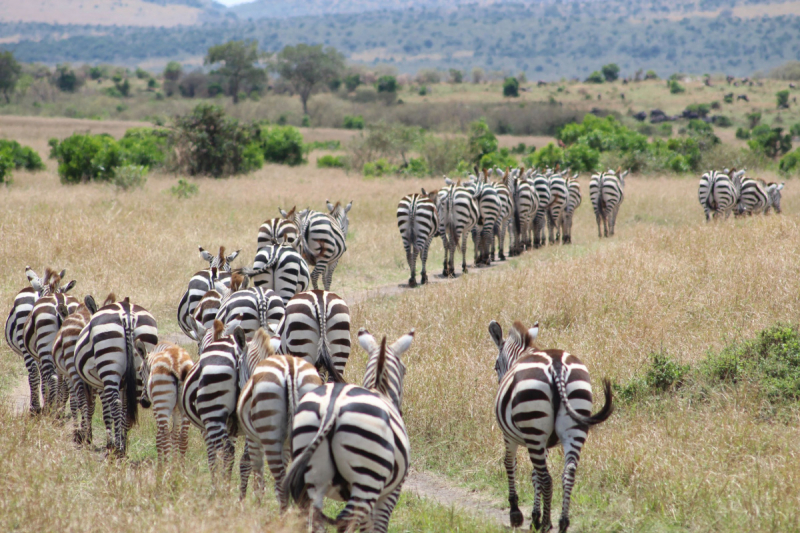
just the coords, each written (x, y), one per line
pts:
(563, 524)
(536, 521)
(502, 257)
(424, 279)
(412, 282)
(516, 518)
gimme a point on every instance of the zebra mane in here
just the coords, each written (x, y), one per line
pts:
(218, 329)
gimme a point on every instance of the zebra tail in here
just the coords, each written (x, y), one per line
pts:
(130, 372)
(294, 483)
(323, 349)
(600, 416)
(411, 221)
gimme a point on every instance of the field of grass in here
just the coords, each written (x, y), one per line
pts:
(714, 460)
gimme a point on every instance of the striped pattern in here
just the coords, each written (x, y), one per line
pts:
(416, 220)
(207, 309)
(534, 386)
(351, 443)
(210, 392)
(503, 220)
(559, 196)
(573, 202)
(215, 277)
(541, 185)
(251, 309)
(458, 213)
(281, 269)
(774, 191)
(316, 328)
(753, 197)
(322, 241)
(717, 194)
(525, 204)
(489, 210)
(606, 193)
(106, 359)
(277, 231)
(164, 372)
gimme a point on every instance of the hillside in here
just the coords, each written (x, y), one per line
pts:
(103, 13)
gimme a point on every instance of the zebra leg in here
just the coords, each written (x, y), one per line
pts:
(501, 242)
(568, 481)
(599, 219)
(183, 442)
(446, 249)
(163, 440)
(510, 462)
(424, 258)
(75, 410)
(411, 259)
(329, 273)
(319, 268)
(463, 254)
(245, 468)
(112, 404)
(357, 511)
(383, 511)
(476, 244)
(34, 382)
(544, 485)
(213, 437)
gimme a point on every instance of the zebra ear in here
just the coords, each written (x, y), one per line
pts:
(239, 337)
(366, 340)
(534, 331)
(34, 279)
(329, 205)
(233, 256)
(780, 187)
(90, 304)
(62, 274)
(62, 311)
(283, 213)
(449, 181)
(204, 255)
(402, 344)
(196, 329)
(496, 332)
(69, 286)
(348, 206)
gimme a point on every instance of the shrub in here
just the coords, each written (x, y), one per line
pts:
(417, 167)
(501, 158)
(651, 75)
(782, 98)
(443, 154)
(790, 163)
(456, 76)
(581, 158)
(769, 141)
(675, 87)
(511, 87)
(596, 77)
(322, 145)
(386, 84)
(6, 164)
(701, 109)
(331, 161)
(728, 98)
(664, 373)
(84, 157)
(378, 168)
(145, 146)
(352, 81)
(66, 79)
(129, 177)
(753, 119)
(742, 133)
(184, 189)
(716, 105)
(664, 130)
(306, 121)
(353, 122)
(722, 121)
(481, 140)
(21, 156)
(547, 157)
(610, 72)
(795, 130)
(700, 127)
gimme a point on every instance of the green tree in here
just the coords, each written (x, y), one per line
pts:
(307, 67)
(651, 75)
(66, 79)
(783, 98)
(238, 60)
(352, 81)
(481, 140)
(511, 87)
(173, 71)
(9, 74)
(675, 87)
(610, 72)
(596, 77)
(456, 76)
(386, 84)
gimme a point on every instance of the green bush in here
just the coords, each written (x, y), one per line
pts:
(790, 163)
(581, 158)
(386, 84)
(664, 373)
(728, 98)
(282, 144)
(331, 161)
(145, 146)
(511, 87)
(501, 158)
(610, 72)
(795, 130)
(184, 190)
(722, 121)
(129, 177)
(353, 122)
(85, 157)
(6, 164)
(701, 109)
(352, 81)
(782, 98)
(322, 145)
(753, 119)
(664, 130)
(675, 87)
(481, 140)
(596, 77)
(417, 167)
(22, 156)
(742, 133)
(651, 75)
(547, 157)
(700, 127)
(769, 141)
(378, 168)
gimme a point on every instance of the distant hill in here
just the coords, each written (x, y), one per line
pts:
(546, 40)
(105, 12)
(300, 8)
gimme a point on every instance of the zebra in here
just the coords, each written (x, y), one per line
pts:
(457, 214)
(17, 317)
(544, 397)
(573, 202)
(503, 220)
(718, 193)
(251, 308)
(164, 372)
(204, 281)
(774, 193)
(39, 333)
(105, 358)
(210, 391)
(82, 397)
(207, 308)
(277, 231)
(417, 222)
(559, 196)
(525, 204)
(753, 197)
(316, 327)
(489, 209)
(322, 239)
(350, 443)
(606, 191)
(265, 409)
(541, 185)
(279, 267)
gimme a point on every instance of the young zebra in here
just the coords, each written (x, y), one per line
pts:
(541, 185)
(416, 220)
(524, 203)
(106, 359)
(164, 372)
(573, 202)
(457, 214)
(489, 210)
(280, 268)
(753, 198)
(250, 308)
(559, 196)
(350, 443)
(204, 281)
(39, 333)
(606, 193)
(265, 409)
(316, 328)
(718, 193)
(774, 193)
(210, 392)
(277, 231)
(322, 239)
(18, 316)
(544, 397)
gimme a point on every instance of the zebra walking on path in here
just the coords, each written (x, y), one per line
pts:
(489, 209)
(544, 397)
(559, 196)
(217, 274)
(573, 202)
(457, 212)
(280, 268)
(417, 222)
(606, 193)
(525, 203)
(541, 186)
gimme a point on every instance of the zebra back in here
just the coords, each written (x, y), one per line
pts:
(211, 279)
(416, 220)
(277, 231)
(280, 268)
(251, 309)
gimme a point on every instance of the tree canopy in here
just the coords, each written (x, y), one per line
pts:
(307, 67)
(9, 74)
(238, 60)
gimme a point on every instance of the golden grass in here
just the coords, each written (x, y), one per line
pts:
(105, 12)
(667, 281)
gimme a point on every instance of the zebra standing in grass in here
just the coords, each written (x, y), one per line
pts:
(606, 192)
(251, 308)
(210, 392)
(524, 203)
(266, 408)
(489, 210)
(544, 397)
(322, 239)
(457, 214)
(541, 186)
(417, 222)
(204, 281)
(774, 193)
(350, 443)
(164, 372)
(573, 202)
(316, 327)
(718, 193)
(559, 196)
(753, 198)
(503, 220)
(280, 268)
(277, 231)
(106, 359)
(18, 316)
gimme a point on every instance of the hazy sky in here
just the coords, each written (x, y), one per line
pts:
(233, 2)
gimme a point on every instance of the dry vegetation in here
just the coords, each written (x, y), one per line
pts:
(667, 282)
(100, 13)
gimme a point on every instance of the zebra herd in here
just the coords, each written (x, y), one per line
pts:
(522, 202)
(723, 192)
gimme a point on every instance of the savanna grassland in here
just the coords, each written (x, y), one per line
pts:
(699, 458)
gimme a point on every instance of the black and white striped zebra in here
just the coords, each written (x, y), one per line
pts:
(718, 193)
(606, 191)
(417, 222)
(322, 240)
(105, 358)
(544, 397)
(277, 231)
(503, 221)
(541, 185)
(215, 277)
(559, 196)
(489, 210)
(753, 197)
(774, 191)
(524, 203)
(457, 213)
(573, 202)
(18, 316)
(316, 327)
(350, 443)
(281, 269)
(210, 392)
(251, 308)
